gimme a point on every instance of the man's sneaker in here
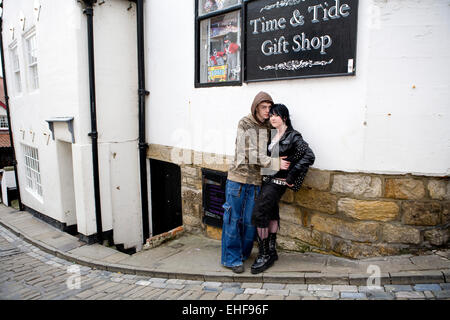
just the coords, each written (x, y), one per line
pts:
(238, 269)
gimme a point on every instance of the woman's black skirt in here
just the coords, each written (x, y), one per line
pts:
(266, 206)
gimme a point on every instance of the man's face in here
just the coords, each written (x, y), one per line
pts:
(262, 110)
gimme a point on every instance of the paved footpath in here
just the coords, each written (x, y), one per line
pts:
(28, 273)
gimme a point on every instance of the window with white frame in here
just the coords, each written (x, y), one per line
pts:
(3, 123)
(32, 170)
(31, 58)
(16, 68)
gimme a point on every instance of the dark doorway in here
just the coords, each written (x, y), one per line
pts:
(166, 196)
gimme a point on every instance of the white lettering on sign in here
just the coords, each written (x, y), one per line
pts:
(320, 12)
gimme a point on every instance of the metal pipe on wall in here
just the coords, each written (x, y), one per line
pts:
(5, 87)
(89, 11)
(142, 141)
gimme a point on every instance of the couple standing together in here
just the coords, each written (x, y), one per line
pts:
(261, 172)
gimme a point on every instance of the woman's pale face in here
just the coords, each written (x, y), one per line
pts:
(276, 121)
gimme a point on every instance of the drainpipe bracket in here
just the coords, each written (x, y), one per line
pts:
(143, 145)
(143, 92)
(88, 11)
(93, 134)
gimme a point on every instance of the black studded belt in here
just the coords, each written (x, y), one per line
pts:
(274, 180)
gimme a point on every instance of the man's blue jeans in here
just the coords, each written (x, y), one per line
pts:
(238, 233)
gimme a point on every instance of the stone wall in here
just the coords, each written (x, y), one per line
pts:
(348, 214)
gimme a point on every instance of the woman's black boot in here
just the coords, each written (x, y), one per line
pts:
(273, 246)
(264, 260)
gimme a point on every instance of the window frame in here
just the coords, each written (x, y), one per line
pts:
(4, 120)
(17, 73)
(198, 19)
(30, 155)
(31, 82)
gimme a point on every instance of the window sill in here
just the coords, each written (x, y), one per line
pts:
(35, 195)
(218, 84)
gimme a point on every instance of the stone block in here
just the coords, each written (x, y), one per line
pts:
(446, 212)
(316, 200)
(416, 277)
(427, 287)
(326, 279)
(371, 288)
(189, 171)
(437, 237)
(362, 279)
(288, 196)
(398, 287)
(401, 234)
(192, 221)
(297, 277)
(378, 295)
(353, 295)
(195, 183)
(406, 188)
(213, 232)
(445, 294)
(358, 250)
(439, 189)
(369, 210)
(446, 274)
(326, 294)
(295, 231)
(410, 295)
(421, 213)
(191, 202)
(345, 288)
(358, 185)
(445, 286)
(317, 179)
(357, 231)
(290, 214)
(321, 287)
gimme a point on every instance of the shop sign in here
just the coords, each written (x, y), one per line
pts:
(300, 39)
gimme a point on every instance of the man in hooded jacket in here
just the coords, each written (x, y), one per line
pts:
(244, 183)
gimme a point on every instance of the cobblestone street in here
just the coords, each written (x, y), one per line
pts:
(28, 273)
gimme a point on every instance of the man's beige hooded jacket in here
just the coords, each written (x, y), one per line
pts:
(251, 147)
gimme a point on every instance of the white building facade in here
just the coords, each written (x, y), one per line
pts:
(46, 52)
(381, 133)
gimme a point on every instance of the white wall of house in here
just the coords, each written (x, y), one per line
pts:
(392, 117)
(61, 33)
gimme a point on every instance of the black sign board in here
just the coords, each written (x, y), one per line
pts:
(288, 39)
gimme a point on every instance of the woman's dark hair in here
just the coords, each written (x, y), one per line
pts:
(282, 111)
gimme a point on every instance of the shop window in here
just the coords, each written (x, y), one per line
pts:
(219, 50)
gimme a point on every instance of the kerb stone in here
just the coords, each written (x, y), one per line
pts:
(415, 277)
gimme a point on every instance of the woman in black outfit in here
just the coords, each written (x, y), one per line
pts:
(266, 216)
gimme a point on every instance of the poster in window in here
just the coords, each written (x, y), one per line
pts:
(300, 38)
(208, 6)
(221, 60)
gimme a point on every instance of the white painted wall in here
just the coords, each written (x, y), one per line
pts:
(64, 91)
(400, 44)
